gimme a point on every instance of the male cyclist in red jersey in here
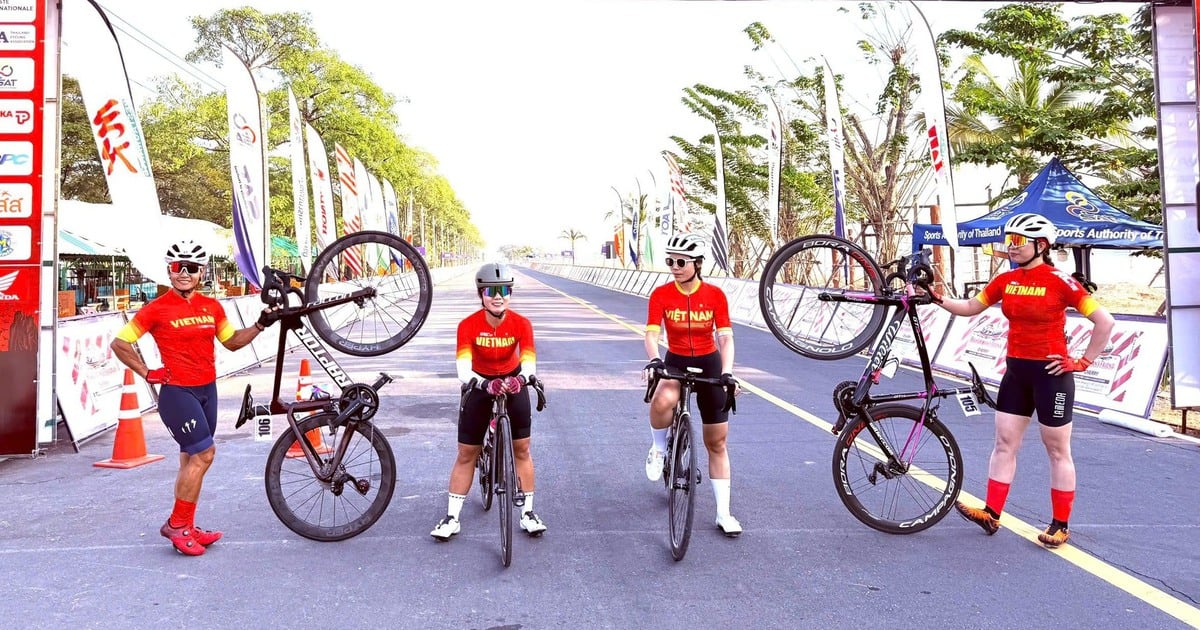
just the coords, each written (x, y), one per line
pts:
(183, 324)
(495, 356)
(692, 311)
(1039, 373)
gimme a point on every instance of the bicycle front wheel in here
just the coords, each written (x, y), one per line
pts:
(800, 272)
(684, 477)
(343, 507)
(369, 260)
(483, 464)
(904, 492)
(506, 478)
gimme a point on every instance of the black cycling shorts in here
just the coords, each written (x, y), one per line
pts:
(476, 414)
(709, 398)
(1027, 387)
(190, 413)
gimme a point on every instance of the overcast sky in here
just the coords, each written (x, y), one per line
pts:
(534, 109)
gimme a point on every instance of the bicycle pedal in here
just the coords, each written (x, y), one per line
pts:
(519, 499)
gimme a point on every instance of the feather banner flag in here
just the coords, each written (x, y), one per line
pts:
(391, 208)
(251, 221)
(837, 154)
(351, 221)
(318, 166)
(94, 51)
(774, 159)
(299, 184)
(677, 200)
(933, 103)
(720, 236)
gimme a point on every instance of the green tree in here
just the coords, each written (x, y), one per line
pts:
(82, 174)
(571, 235)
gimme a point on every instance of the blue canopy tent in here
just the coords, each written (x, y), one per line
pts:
(1083, 219)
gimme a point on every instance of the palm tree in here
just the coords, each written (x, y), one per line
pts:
(572, 235)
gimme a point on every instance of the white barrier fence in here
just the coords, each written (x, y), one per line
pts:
(89, 376)
(1124, 378)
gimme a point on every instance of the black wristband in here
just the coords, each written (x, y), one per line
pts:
(259, 327)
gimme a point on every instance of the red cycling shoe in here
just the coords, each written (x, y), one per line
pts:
(183, 538)
(205, 537)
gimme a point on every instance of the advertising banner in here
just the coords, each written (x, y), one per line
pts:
(22, 81)
(90, 377)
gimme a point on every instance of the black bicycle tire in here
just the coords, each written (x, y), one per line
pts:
(853, 495)
(321, 325)
(684, 446)
(484, 464)
(503, 465)
(766, 302)
(273, 479)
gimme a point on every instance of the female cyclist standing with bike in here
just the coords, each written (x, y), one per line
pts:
(693, 312)
(496, 354)
(183, 324)
(1034, 297)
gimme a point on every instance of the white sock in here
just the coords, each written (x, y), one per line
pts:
(528, 503)
(456, 503)
(721, 494)
(660, 438)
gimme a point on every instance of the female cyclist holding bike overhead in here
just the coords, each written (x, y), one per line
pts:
(1034, 296)
(496, 355)
(183, 324)
(692, 312)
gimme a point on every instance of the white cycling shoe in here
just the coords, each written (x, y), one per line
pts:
(729, 526)
(446, 528)
(532, 524)
(654, 464)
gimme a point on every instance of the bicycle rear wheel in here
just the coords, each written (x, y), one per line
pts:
(683, 488)
(905, 495)
(369, 260)
(506, 479)
(344, 507)
(794, 278)
(483, 464)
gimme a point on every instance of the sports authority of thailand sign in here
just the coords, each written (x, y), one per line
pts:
(22, 63)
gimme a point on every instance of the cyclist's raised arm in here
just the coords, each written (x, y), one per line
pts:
(965, 308)
(235, 340)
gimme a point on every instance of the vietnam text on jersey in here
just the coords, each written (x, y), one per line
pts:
(183, 329)
(1035, 302)
(495, 351)
(690, 318)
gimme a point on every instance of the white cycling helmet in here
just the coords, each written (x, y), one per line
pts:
(187, 250)
(687, 244)
(1032, 226)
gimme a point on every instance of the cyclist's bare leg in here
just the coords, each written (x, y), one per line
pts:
(718, 457)
(464, 468)
(1058, 446)
(192, 469)
(662, 406)
(524, 463)
(1010, 430)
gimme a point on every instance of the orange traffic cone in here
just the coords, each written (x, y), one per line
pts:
(304, 392)
(129, 448)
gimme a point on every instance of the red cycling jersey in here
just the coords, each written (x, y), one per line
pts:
(495, 351)
(183, 330)
(1035, 302)
(691, 319)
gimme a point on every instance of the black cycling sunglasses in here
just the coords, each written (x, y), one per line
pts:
(678, 262)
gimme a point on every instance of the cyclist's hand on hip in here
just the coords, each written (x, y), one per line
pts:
(1061, 365)
(158, 376)
(654, 364)
(511, 384)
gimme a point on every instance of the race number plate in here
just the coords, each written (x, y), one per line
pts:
(969, 406)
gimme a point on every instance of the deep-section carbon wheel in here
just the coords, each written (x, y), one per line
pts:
(388, 268)
(908, 490)
(795, 277)
(351, 501)
(683, 474)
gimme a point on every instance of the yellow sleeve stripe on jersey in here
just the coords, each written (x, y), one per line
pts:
(1088, 306)
(982, 299)
(528, 355)
(653, 327)
(130, 332)
(463, 353)
(225, 331)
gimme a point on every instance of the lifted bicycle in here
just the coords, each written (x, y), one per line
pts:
(367, 294)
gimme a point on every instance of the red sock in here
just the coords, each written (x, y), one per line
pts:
(183, 513)
(1060, 503)
(997, 494)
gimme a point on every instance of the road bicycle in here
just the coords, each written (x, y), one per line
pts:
(366, 294)
(496, 464)
(896, 467)
(681, 474)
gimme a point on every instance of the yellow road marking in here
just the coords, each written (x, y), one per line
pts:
(1169, 604)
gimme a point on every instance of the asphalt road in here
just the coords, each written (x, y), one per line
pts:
(79, 545)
